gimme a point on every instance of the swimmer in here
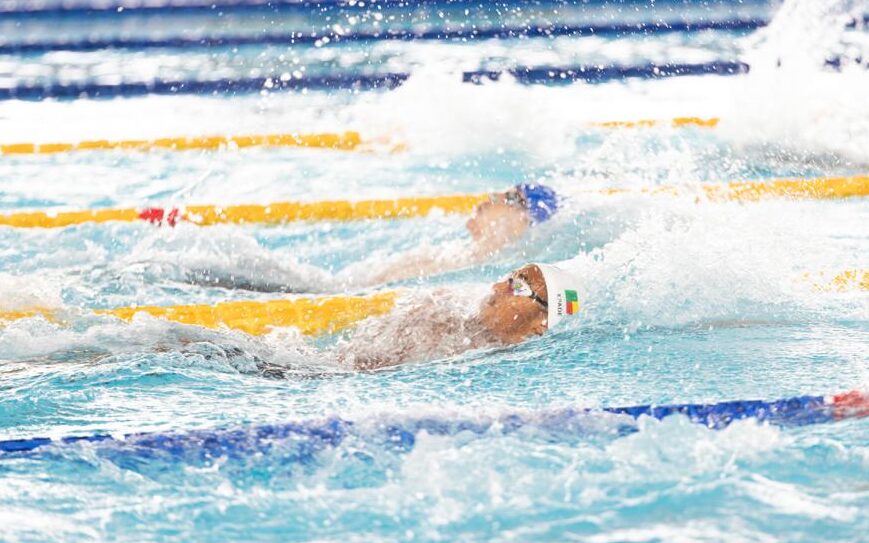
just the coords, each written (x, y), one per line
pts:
(428, 325)
(524, 304)
(494, 225)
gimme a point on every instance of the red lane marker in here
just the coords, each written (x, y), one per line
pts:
(155, 215)
(850, 404)
(172, 217)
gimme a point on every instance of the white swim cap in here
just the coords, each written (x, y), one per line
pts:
(561, 288)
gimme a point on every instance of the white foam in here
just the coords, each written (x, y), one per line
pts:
(675, 447)
(790, 499)
(682, 262)
(21, 292)
(222, 255)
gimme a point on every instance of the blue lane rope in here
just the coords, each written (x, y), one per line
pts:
(315, 435)
(26, 8)
(388, 81)
(597, 74)
(299, 38)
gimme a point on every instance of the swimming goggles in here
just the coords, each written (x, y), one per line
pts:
(520, 287)
(512, 198)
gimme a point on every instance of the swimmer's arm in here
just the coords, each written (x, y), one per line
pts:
(429, 327)
(491, 228)
(350, 356)
(423, 265)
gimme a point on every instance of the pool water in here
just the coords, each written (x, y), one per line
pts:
(682, 301)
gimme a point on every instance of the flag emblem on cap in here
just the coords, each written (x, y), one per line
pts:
(572, 302)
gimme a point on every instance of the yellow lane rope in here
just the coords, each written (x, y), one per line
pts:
(342, 141)
(329, 314)
(842, 281)
(676, 122)
(816, 189)
(340, 210)
(276, 213)
(346, 210)
(312, 316)
(820, 188)
(39, 219)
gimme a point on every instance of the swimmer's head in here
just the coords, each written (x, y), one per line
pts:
(516, 309)
(540, 201)
(530, 301)
(500, 220)
(505, 216)
(562, 289)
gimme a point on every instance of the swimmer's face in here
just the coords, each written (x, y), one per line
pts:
(499, 218)
(510, 318)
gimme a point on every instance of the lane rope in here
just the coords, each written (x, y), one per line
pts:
(275, 213)
(317, 315)
(676, 122)
(300, 441)
(358, 82)
(312, 316)
(342, 141)
(820, 188)
(30, 9)
(346, 210)
(839, 281)
(329, 38)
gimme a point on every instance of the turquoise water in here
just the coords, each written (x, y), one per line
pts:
(682, 302)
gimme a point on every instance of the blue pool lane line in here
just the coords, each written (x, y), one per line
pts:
(28, 8)
(309, 39)
(525, 75)
(310, 436)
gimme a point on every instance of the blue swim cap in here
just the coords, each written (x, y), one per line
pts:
(542, 201)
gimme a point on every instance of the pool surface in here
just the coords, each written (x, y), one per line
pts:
(683, 300)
